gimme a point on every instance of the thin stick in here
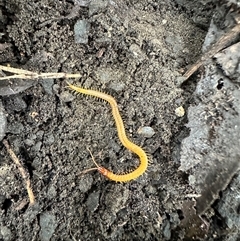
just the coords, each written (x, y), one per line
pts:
(22, 171)
(223, 42)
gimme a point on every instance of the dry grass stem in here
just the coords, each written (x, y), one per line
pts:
(25, 74)
(24, 174)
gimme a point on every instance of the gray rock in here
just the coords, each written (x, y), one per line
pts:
(37, 147)
(15, 128)
(15, 86)
(86, 183)
(167, 230)
(47, 84)
(81, 30)
(14, 103)
(93, 201)
(48, 224)
(211, 151)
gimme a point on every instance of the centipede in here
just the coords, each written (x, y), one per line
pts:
(143, 158)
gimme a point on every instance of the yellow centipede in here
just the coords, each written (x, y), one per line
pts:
(122, 136)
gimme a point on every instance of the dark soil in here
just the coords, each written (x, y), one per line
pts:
(136, 51)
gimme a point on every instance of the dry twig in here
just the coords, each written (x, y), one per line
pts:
(24, 174)
(222, 43)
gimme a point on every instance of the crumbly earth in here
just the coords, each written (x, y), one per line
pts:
(135, 51)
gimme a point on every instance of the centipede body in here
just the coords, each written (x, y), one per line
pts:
(122, 136)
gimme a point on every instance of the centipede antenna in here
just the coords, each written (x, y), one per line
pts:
(97, 166)
(68, 85)
(89, 170)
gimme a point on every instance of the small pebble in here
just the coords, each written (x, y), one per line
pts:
(29, 142)
(136, 51)
(37, 147)
(180, 111)
(146, 131)
(52, 192)
(66, 96)
(164, 21)
(192, 180)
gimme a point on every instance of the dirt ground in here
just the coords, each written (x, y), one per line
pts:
(134, 50)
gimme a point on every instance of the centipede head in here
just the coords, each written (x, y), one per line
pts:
(103, 171)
